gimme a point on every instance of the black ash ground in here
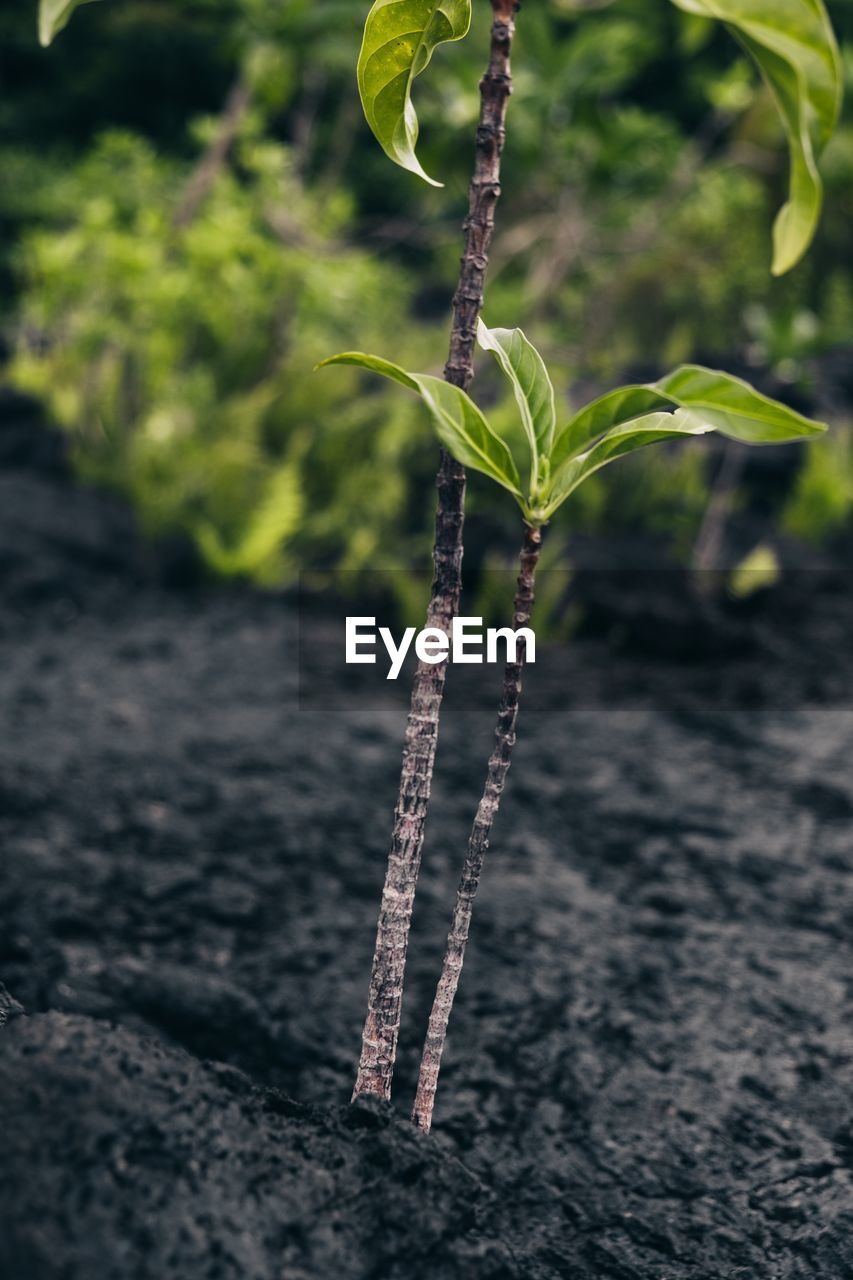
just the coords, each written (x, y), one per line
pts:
(650, 1072)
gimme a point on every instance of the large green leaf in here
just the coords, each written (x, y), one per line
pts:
(54, 15)
(729, 404)
(459, 424)
(703, 400)
(734, 408)
(399, 39)
(793, 43)
(532, 387)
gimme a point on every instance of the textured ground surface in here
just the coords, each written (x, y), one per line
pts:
(651, 1070)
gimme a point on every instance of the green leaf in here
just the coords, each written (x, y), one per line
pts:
(375, 364)
(756, 572)
(465, 432)
(399, 39)
(793, 43)
(53, 16)
(690, 401)
(259, 553)
(534, 392)
(651, 428)
(459, 424)
(602, 415)
(703, 400)
(730, 405)
(734, 408)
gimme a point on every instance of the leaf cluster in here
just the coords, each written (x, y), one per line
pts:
(690, 401)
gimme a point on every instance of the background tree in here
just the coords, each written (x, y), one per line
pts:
(642, 135)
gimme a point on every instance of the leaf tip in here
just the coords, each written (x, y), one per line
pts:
(787, 255)
(417, 169)
(782, 263)
(406, 159)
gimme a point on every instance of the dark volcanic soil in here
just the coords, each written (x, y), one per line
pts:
(650, 1075)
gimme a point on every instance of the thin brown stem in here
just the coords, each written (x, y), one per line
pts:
(478, 843)
(709, 540)
(213, 160)
(382, 1025)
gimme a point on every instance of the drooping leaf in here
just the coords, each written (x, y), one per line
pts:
(794, 46)
(53, 16)
(399, 39)
(534, 392)
(461, 427)
(730, 405)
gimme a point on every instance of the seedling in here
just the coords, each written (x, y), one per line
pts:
(794, 48)
(792, 43)
(691, 401)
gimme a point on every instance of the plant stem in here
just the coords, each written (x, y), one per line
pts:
(215, 155)
(381, 1027)
(478, 843)
(709, 540)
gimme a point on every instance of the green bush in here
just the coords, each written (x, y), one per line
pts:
(182, 359)
(822, 502)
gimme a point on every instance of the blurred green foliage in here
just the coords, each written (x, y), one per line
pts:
(643, 168)
(822, 503)
(182, 357)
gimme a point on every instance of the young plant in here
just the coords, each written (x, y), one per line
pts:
(400, 37)
(795, 49)
(793, 45)
(554, 462)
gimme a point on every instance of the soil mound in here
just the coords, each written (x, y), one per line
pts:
(123, 1158)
